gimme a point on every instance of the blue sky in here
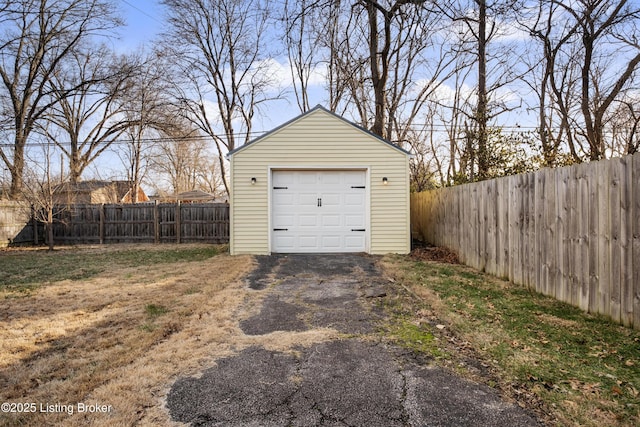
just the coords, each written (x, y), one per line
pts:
(144, 22)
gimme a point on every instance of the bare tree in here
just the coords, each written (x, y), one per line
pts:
(146, 108)
(39, 192)
(181, 159)
(91, 116)
(301, 38)
(598, 19)
(385, 61)
(36, 37)
(624, 128)
(481, 25)
(591, 55)
(224, 52)
(391, 32)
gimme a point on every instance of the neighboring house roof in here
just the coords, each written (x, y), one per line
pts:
(314, 109)
(194, 196)
(113, 191)
(197, 196)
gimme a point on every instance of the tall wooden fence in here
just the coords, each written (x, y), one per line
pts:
(572, 233)
(130, 223)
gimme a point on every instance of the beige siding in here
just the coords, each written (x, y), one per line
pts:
(320, 140)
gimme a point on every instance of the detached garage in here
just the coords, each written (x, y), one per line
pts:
(319, 184)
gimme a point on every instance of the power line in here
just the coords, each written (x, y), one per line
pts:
(142, 11)
(150, 140)
(440, 128)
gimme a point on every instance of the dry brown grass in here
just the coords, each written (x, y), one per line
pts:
(119, 338)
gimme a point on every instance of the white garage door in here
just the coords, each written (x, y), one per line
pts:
(318, 211)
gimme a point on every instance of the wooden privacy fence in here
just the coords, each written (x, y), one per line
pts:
(142, 223)
(16, 224)
(572, 233)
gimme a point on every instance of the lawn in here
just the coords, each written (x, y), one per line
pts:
(572, 368)
(112, 327)
(108, 329)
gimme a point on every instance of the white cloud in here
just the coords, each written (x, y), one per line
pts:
(279, 73)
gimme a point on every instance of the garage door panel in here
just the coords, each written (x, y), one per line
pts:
(282, 220)
(306, 178)
(354, 178)
(308, 220)
(331, 201)
(283, 199)
(354, 220)
(308, 242)
(319, 209)
(354, 199)
(330, 178)
(309, 199)
(354, 242)
(331, 242)
(284, 242)
(331, 220)
(282, 178)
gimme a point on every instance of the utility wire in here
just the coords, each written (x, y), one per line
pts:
(151, 140)
(142, 11)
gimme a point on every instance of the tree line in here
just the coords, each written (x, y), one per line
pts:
(474, 88)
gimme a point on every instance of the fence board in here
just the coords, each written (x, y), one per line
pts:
(539, 232)
(503, 227)
(562, 230)
(614, 246)
(593, 230)
(550, 230)
(583, 237)
(604, 255)
(571, 232)
(626, 242)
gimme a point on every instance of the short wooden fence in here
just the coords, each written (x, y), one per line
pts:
(142, 223)
(118, 223)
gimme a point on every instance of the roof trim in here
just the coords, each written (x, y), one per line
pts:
(314, 109)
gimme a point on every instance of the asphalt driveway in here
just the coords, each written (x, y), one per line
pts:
(352, 380)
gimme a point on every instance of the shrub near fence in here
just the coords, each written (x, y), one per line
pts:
(142, 223)
(572, 233)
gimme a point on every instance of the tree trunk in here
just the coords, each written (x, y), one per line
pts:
(50, 227)
(17, 168)
(376, 74)
(481, 113)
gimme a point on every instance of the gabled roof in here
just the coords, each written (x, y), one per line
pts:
(120, 189)
(301, 116)
(82, 186)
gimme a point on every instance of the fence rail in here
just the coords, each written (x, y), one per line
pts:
(572, 233)
(123, 223)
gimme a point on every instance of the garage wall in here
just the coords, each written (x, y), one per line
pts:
(320, 140)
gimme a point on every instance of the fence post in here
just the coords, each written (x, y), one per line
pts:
(34, 224)
(177, 221)
(101, 230)
(156, 223)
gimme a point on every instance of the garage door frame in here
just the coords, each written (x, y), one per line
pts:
(319, 168)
